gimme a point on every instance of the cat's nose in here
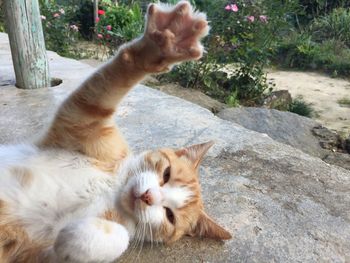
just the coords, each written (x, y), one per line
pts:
(147, 197)
(152, 196)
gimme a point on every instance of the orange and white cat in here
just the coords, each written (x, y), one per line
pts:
(78, 194)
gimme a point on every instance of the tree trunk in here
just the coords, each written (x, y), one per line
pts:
(27, 43)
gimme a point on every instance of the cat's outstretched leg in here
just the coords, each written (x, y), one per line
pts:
(91, 240)
(84, 121)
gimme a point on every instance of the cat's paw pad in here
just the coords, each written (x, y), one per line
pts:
(176, 31)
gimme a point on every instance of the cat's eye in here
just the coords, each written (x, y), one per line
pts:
(166, 175)
(170, 215)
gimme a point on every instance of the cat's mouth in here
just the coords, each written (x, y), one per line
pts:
(135, 201)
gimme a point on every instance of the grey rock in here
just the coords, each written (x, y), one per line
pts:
(280, 204)
(328, 139)
(338, 158)
(284, 127)
(192, 95)
(279, 100)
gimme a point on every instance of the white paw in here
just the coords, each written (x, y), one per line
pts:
(91, 240)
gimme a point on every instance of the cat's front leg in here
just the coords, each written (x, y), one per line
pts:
(91, 240)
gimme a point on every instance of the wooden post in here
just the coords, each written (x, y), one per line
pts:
(27, 43)
(95, 12)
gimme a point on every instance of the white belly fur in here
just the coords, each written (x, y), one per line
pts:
(64, 187)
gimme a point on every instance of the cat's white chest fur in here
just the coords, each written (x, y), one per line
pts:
(47, 189)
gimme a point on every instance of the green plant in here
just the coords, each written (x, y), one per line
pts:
(232, 100)
(118, 24)
(298, 50)
(243, 37)
(84, 18)
(334, 25)
(315, 8)
(59, 33)
(344, 101)
(2, 18)
(300, 107)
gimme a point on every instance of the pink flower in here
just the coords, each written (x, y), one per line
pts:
(61, 11)
(232, 7)
(99, 36)
(109, 27)
(263, 19)
(108, 36)
(251, 19)
(74, 28)
(43, 17)
(101, 12)
(56, 15)
(97, 19)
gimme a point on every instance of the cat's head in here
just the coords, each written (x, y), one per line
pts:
(162, 194)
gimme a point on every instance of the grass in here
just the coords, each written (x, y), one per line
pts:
(300, 107)
(344, 101)
(298, 50)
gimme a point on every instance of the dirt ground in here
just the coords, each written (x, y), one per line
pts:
(321, 91)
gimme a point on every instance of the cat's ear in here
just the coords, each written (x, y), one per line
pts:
(195, 153)
(206, 227)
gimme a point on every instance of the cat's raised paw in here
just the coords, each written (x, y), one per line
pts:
(173, 35)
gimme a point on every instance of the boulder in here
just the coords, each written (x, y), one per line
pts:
(284, 127)
(279, 100)
(328, 139)
(192, 95)
(295, 130)
(338, 158)
(280, 204)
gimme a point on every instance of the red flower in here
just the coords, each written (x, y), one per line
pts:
(101, 12)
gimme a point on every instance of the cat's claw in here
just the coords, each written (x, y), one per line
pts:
(175, 33)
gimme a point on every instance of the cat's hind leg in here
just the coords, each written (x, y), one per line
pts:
(91, 240)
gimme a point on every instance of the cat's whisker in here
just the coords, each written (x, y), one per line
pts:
(135, 242)
(151, 236)
(142, 240)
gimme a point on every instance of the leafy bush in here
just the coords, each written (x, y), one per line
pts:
(300, 107)
(118, 24)
(2, 17)
(59, 33)
(300, 51)
(315, 8)
(332, 26)
(243, 37)
(84, 18)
